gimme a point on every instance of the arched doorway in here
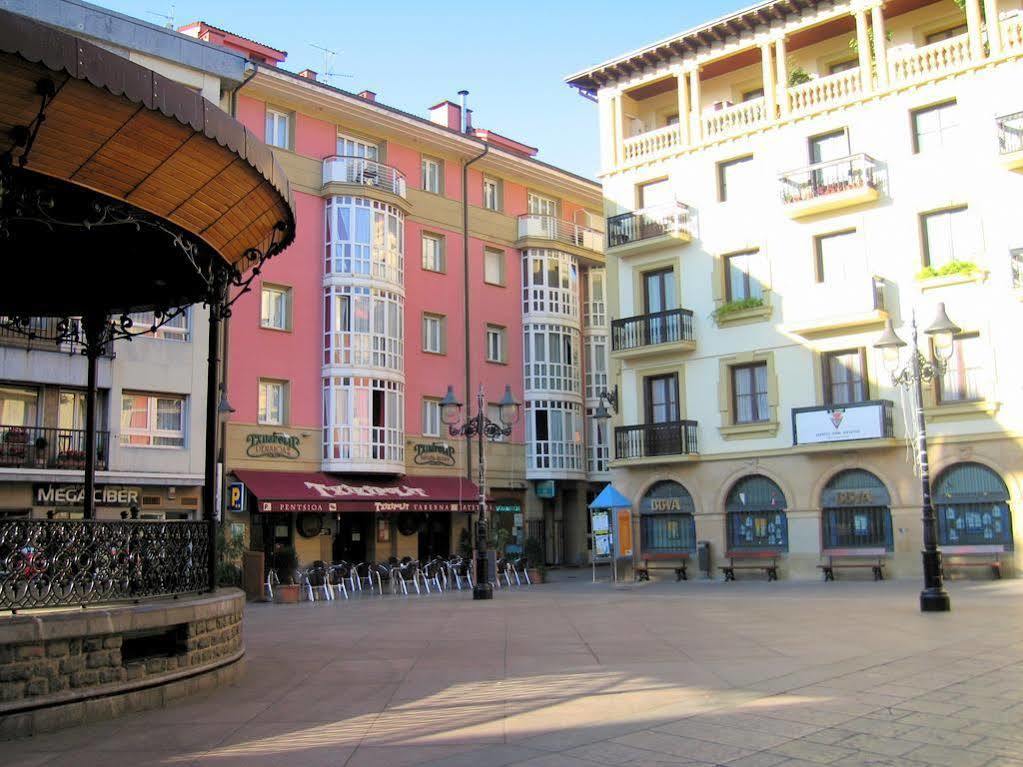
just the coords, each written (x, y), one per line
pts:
(755, 508)
(856, 512)
(972, 505)
(666, 523)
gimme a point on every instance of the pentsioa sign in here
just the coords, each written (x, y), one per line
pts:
(274, 445)
(54, 494)
(433, 454)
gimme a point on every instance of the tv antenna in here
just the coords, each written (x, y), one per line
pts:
(328, 62)
(167, 19)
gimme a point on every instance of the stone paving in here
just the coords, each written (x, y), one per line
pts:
(573, 674)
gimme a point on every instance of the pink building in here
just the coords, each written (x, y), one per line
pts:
(340, 355)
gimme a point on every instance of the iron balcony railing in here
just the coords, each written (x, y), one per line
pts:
(652, 439)
(52, 563)
(857, 171)
(346, 169)
(667, 327)
(1010, 133)
(47, 334)
(37, 447)
(670, 219)
(553, 228)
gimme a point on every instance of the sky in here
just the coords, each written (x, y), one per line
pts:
(511, 58)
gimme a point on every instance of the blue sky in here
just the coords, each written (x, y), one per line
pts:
(413, 53)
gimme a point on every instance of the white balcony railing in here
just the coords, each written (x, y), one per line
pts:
(735, 119)
(858, 171)
(847, 301)
(343, 169)
(824, 92)
(1012, 35)
(651, 143)
(930, 61)
(553, 228)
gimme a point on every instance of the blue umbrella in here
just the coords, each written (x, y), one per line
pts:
(610, 498)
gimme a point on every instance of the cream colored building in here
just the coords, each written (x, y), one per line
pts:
(778, 183)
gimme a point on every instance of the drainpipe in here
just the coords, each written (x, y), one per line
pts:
(465, 275)
(234, 93)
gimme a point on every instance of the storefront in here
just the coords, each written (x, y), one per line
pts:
(972, 505)
(755, 510)
(666, 520)
(856, 512)
(64, 500)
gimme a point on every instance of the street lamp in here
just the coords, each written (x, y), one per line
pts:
(911, 377)
(611, 397)
(480, 426)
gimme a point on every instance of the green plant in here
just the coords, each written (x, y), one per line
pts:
(737, 306)
(952, 267)
(798, 76)
(229, 558)
(285, 563)
(535, 556)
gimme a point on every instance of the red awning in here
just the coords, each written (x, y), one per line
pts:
(287, 491)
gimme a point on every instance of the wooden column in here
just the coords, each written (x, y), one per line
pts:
(974, 27)
(767, 70)
(782, 67)
(696, 113)
(994, 28)
(863, 48)
(683, 108)
(880, 45)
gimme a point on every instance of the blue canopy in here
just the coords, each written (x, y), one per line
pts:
(610, 498)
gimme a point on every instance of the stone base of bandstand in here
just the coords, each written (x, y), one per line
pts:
(62, 668)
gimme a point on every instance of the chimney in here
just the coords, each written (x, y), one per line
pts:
(368, 95)
(464, 111)
(308, 74)
(468, 121)
(447, 114)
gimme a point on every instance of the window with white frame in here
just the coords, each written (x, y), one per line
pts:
(363, 327)
(272, 402)
(551, 357)
(550, 283)
(595, 306)
(275, 308)
(365, 238)
(935, 126)
(176, 328)
(278, 126)
(948, 236)
(596, 365)
(494, 414)
(432, 176)
(554, 435)
(496, 343)
(433, 253)
(431, 417)
(735, 178)
(152, 420)
(491, 194)
(433, 333)
(493, 266)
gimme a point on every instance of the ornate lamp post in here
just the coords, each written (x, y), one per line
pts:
(911, 377)
(480, 426)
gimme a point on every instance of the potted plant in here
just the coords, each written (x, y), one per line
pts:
(535, 560)
(285, 565)
(71, 459)
(41, 444)
(14, 449)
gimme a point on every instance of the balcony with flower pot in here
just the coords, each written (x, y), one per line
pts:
(829, 186)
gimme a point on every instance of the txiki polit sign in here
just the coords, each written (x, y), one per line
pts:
(274, 445)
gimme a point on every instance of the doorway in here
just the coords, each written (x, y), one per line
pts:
(352, 539)
(435, 536)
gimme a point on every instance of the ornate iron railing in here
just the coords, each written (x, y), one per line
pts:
(667, 327)
(1010, 133)
(650, 439)
(47, 334)
(813, 182)
(50, 563)
(673, 218)
(36, 447)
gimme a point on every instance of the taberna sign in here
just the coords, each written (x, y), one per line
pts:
(433, 454)
(59, 494)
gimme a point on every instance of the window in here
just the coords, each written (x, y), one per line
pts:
(655, 193)
(734, 176)
(961, 380)
(971, 504)
(844, 377)
(494, 414)
(432, 176)
(433, 253)
(493, 266)
(18, 406)
(662, 399)
(71, 409)
(433, 333)
(352, 147)
(277, 128)
(946, 34)
(152, 420)
(275, 310)
(843, 66)
(742, 271)
(272, 402)
(756, 515)
(496, 343)
(491, 194)
(431, 417)
(868, 527)
(755, 93)
(828, 147)
(538, 205)
(948, 236)
(1016, 264)
(935, 127)
(749, 393)
(176, 328)
(838, 258)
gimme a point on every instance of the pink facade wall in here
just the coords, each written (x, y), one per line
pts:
(314, 138)
(252, 114)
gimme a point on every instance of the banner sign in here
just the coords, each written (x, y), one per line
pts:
(433, 454)
(55, 494)
(817, 425)
(274, 445)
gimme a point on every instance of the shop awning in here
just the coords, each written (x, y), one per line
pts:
(286, 491)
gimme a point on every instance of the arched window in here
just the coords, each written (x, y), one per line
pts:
(666, 523)
(755, 509)
(972, 505)
(856, 512)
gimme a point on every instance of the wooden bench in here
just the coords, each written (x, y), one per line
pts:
(985, 555)
(766, 561)
(853, 559)
(643, 573)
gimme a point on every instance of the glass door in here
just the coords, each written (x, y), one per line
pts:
(545, 215)
(354, 154)
(830, 148)
(663, 434)
(659, 298)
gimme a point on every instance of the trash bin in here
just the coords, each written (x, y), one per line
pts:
(703, 556)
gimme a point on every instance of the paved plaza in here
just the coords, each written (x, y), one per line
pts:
(572, 674)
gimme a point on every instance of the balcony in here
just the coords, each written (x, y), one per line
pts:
(1010, 140)
(33, 447)
(537, 231)
(46, 334)
(824, 92)
(347, 175)
(843, 423)
(829, 186)
(847, 306)
(651, 144)
(650, 228)
(928, 62)
(651, 440)
(650, 334)
(734, 119)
